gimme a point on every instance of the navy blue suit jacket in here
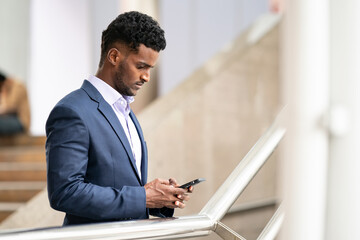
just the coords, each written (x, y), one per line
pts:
(91, 171)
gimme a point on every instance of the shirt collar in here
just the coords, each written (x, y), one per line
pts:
(110, 95)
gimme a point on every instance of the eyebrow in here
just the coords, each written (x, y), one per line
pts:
(145, 64)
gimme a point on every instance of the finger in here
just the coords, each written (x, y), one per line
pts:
(190, 189)
(179, 204)
(173, 182)
(182, 196)
(175, 191)
(163, 181)
(179, 196)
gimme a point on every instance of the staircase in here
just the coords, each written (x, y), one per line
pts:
(22, 171)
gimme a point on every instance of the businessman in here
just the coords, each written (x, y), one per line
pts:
(95, 149)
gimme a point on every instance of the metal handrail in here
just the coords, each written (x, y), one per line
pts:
(241, 176)
(173, 228)
(271, 229)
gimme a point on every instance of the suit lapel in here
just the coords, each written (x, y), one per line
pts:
(112, 119)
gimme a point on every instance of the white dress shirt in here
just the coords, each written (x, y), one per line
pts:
(121, 106)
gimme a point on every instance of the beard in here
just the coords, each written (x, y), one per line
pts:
(120, 85)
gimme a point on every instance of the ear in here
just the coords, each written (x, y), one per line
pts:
(113, 56)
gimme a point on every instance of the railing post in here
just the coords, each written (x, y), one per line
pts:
(227, 233)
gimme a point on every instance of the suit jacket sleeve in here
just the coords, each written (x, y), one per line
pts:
(67, 150)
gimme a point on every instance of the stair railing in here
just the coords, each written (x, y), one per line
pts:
(202, 224)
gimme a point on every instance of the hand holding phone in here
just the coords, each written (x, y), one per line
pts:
(192, 183)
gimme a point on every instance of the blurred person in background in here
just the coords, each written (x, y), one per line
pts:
(14, 107)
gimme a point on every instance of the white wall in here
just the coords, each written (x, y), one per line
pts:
(101, 15)
(196, 30)
(14, 38)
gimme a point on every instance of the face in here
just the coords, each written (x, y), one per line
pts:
(133, 70)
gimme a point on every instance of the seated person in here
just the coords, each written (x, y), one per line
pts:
(14, 107)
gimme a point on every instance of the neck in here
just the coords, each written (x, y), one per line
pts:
(104, 75)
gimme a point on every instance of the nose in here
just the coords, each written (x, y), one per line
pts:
(145, 76)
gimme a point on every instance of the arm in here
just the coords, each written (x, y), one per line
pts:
(67, 149)
(14, 95)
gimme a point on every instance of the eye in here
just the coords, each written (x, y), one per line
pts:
(140, 67)
(143, 66)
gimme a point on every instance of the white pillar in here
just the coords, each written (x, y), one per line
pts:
(14, 38)
(343, 209)
(305, 90)
(65, 49)
(60, 58)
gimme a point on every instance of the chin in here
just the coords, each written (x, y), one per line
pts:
(133, 93)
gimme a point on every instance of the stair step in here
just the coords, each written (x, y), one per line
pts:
(22, 171)
(26, 166)
(4, 215)
(31, 185)
(10, 206)
(7, 208)
(22, 140)
(15, 166)
(22, 154)
(20, 191)
(23, 176)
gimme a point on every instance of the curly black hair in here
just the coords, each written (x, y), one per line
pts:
(133, 28)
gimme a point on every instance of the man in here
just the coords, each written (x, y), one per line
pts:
(14, 107)
(95, 149)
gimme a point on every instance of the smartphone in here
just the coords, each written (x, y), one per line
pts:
(192, 183)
